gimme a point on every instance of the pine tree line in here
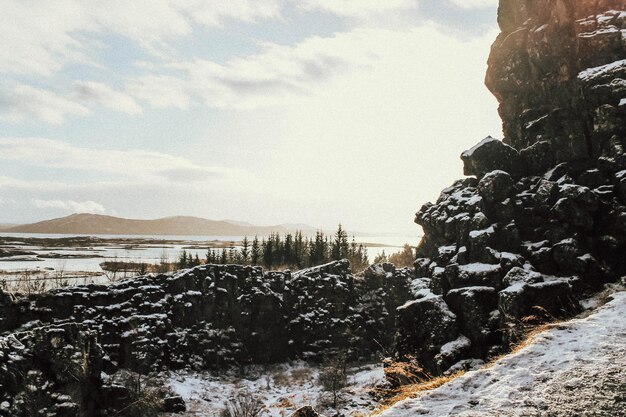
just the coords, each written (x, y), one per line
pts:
(293, 251)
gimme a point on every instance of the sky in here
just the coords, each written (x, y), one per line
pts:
(266, 111)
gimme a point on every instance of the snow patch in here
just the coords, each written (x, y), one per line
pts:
(521, 383)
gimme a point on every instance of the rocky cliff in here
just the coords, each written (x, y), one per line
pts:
(541, 219)
(208, 317)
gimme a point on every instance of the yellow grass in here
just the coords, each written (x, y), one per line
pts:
(414, 390)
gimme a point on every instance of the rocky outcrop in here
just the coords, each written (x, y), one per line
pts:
(558, 69)
(216, 316)
(542, 219)
(53, 370)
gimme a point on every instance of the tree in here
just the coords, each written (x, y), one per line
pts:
(232, 253)
(182, 260)
(255, 253)
(245, 250)
(224, 257)
(288, 250)
(299, 249)
(267, 248)
(380, 258)
(357, 255)
(317, 250)
(404, 258)
(333, 377)
(340, 247)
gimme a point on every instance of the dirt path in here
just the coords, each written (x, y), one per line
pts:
(574, 369)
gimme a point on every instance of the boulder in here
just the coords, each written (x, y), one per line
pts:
(475, 274)
(306, 411)
(496, 186)
(489, 155)
(424, 326)
(473, 307)
(552, 299)
(174, 404)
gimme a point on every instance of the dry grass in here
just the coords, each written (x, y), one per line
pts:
(532, 326)
(413, 390)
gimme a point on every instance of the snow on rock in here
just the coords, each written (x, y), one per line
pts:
(608, 70)
(218, 316)
(574, 368)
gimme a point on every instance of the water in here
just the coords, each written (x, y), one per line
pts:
(153, 251)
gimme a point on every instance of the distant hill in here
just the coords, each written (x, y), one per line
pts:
(96, 224)
(4, 226)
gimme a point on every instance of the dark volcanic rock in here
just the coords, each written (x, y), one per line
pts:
(489, 155)
(558, 70)
(216, 316)
(54, 368)
(425, 326)
(496, 186)
(544, 220)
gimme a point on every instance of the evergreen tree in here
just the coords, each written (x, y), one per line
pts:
(196, 260)
(255, 254)
(245, 250)
(340, 247)
(224, 257)
(318, 249)
(268, 251)
(288, 251)
(299, 248)
(182, 260)
(232, 253)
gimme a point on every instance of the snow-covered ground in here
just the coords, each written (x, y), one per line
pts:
(576, 368)
(282, 388)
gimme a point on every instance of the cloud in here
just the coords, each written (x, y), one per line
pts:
(24, 102)
(358, 8)
(161, 91)
(273, 76)
(137, 164)
(71, 206)
(21, 102)
(42, 39)
(100, 94)
(474, 4)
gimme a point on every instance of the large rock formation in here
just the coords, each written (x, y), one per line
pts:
(543, 218)
(208, 317)
(214, 316)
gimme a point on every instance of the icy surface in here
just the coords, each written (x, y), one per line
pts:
(574, 368)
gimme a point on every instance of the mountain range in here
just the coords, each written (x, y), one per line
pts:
(97, 224)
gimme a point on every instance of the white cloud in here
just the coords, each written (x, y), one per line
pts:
(42, 38)
(71, 206)
(275, 75)
(474, 4)
(161, 91)
(358, 8)
(20, 102)
(24, 102)
(103, 95)
(138, 164)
